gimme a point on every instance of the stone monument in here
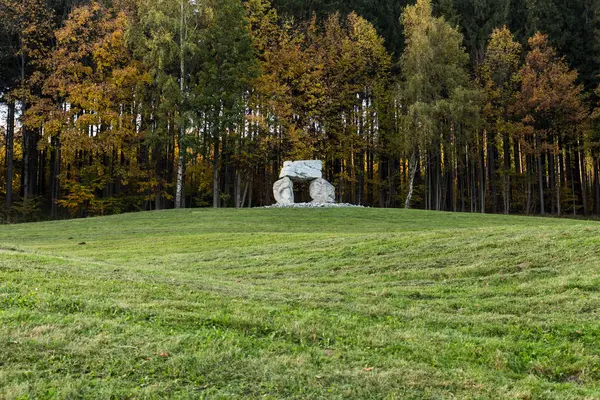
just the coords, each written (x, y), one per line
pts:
(283, 190)
(321, 191)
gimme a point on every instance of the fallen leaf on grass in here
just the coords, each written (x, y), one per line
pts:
(368, 369)
(164, 354)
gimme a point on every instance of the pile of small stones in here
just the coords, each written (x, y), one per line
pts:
(314, 205)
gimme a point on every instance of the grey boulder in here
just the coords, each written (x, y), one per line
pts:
(322, 191)
(283, 190)
(302, 171)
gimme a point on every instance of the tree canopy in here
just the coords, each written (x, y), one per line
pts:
(457, 105)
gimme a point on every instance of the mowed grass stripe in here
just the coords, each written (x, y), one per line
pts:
(356, 303)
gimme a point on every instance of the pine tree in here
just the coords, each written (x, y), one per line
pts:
(227, 68)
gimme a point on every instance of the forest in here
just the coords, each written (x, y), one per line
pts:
(483, 106)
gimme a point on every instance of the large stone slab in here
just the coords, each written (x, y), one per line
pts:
(283, 190)
(322, 191)
(302, 171)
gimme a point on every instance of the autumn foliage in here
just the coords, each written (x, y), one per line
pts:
(139, 105)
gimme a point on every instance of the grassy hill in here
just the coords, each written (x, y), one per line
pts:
(309, 303)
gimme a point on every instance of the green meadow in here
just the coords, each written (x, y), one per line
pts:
(300, 304)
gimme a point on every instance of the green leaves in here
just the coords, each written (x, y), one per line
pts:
(434, 77)
(227, 66)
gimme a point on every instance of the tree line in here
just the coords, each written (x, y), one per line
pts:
(454, 105)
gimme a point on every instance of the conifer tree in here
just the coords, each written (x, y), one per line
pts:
(167, 37)
(228, 65)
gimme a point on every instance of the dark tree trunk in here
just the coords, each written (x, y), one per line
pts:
(551, 185)
(370, 178)
(578, 179)
(361, 178)
(491, 164)
(180, 180)
(529, 167)
(41, 173)
(506, 149)
(170, 160)
(238, 189)
(571, 178)
(563, 178)
(55, 179)
(429, 181)
(383, 180)
(558, 185)
(394, 167)
(10, 148)
(34, 164)
(25, 140)
(597, 184)
(461, 188)
(159, 166)
(540, 173)
(584, 184)
(250, 192)
(448, 183)
(482, 190)
(216, 175)
(25, 166)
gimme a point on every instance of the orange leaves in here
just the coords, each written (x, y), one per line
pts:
(550, 100)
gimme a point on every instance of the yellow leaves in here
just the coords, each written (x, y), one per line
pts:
(78, 195)
(313, 79)
(129, 77)
(96, 92)
(417, 19)
(77, 27)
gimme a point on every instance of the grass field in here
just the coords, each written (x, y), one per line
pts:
(305, 304)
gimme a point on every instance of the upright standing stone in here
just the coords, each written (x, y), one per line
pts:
(283, 190)
(306, 170)
(322, 191)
